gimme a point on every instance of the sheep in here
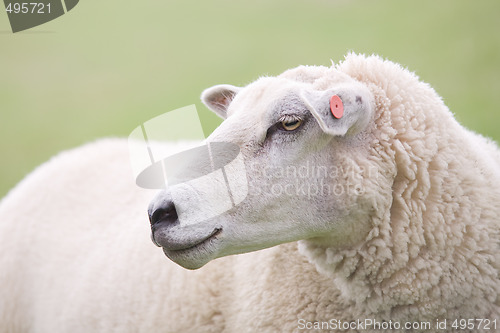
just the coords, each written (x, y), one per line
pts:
(393, 221)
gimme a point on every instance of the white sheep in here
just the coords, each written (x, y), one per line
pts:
(394, 206)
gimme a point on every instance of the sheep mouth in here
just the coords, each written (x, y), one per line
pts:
(194, 253)
(175, 237)
(194, 244)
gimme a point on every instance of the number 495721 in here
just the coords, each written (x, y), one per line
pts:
(28, 7)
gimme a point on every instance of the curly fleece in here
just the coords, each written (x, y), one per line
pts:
(434, 247)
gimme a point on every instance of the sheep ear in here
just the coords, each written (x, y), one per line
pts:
(357, 109)
(218, 98)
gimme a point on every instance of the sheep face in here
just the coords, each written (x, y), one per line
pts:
(300, 175)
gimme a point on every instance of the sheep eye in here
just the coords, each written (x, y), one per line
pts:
(291, 125)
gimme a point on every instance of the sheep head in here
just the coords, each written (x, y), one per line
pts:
(302, 172)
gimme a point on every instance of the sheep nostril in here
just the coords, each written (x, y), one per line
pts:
(165, 213)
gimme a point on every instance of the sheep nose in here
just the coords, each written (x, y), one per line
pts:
(164, 213)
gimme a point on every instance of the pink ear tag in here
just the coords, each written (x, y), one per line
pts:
(336, 106)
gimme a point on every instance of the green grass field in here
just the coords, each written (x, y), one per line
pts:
(107, 66)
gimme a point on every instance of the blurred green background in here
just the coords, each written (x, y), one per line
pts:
(107, 66)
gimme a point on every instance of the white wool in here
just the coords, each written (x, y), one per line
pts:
(420, 243)
(433, 251)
